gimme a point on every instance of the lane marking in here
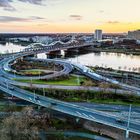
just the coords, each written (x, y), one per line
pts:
(79, 113)
(85, 115)
(91, 116)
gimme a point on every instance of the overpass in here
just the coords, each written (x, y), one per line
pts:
(68, 66)
(67, 108)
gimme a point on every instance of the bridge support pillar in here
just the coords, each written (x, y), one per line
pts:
(127, 134)
(39, 107)
(77, 120)
(55, 55)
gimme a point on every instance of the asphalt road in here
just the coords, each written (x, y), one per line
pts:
(68, 108)
(71, 109)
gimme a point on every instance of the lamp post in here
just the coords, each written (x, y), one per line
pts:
(43, 91)
(6, 84)
(39, 73)
(128, 124)
(77, 74)
(14, 74)
(31, 82)
(34, 95)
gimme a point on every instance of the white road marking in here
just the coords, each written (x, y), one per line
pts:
(85, 115)
(79, 113)
(91, 116)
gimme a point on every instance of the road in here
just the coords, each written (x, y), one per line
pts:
(64, 107)
(71, 109)
(68, 66)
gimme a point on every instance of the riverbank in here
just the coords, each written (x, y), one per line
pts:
(110, 50)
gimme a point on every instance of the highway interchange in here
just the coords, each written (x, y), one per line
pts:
(9, 87)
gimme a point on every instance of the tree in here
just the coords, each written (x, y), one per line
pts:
(104, 86)
(19, 127)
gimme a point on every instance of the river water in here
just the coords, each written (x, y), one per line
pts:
(10, 47)
(104, 59)
(110, 60)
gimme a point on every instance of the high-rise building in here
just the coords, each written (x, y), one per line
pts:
(98, 35)
(134, 34)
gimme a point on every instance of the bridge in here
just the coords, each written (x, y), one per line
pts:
(56, 46)
(64, 107)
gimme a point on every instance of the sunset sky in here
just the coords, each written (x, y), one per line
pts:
(69, 15)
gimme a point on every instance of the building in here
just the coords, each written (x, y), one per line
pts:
(98, 35)
(42, 39)
(134, 34)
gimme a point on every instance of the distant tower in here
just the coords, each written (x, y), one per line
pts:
(98, 35)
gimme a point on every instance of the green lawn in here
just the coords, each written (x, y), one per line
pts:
(71, 81)
(32, 72)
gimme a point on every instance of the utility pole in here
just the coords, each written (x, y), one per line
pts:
(7, 84)
(43, 91)
(31, 83)
(39, 73)
(128, 124)
(14, 74)
(77, 75)
(34, 95)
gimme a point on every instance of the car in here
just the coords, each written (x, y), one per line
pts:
(37, 98)
(119, 120)
(85, 70)
(11, 88)
(53, 103)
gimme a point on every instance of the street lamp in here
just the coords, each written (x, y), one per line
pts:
(43, 91)
(31, 82)
(6, 84)
(128, 124)
(77, 74)
(14, 74)
(34, 95)
(39, 73)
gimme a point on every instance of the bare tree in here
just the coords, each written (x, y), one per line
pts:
(22, 127)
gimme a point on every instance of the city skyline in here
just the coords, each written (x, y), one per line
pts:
(52, 16)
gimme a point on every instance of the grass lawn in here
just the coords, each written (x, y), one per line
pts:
(99, 101)
(71, 81)
(33, 72)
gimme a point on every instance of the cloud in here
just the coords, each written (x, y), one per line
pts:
(17, 19)
(37, 2)
(6, 4)
(112, 22)
(36, 18)
(76, 17)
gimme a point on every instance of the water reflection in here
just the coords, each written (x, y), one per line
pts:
(107, 60)
(113, 60)
(10, 47)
